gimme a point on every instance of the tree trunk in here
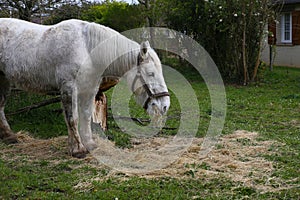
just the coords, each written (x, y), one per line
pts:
(244, 47)
(244, 55)
(257, 62)
(149, 18)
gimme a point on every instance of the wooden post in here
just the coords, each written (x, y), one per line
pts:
(100, 110)
(100, 104)
(271, 57)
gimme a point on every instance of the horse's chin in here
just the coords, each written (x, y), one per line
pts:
(154, 114)
(157, 117)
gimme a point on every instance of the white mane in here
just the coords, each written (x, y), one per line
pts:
(120, 52)
(123, 53)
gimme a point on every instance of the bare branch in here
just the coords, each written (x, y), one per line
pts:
(35, 106)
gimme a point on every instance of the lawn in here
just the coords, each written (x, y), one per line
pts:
(270, 107)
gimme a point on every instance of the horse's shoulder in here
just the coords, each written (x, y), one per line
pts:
(71, 23)
(88, 26)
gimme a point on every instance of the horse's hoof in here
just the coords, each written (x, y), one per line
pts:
(79, 155)
(11, 139)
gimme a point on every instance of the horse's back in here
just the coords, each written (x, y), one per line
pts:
(14, 34)
(40, 54)
(33, 55)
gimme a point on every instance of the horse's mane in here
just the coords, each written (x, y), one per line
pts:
(117, 50)
(96, 33)
(120, 52)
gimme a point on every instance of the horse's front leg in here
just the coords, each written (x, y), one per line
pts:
(85, 108)
(69, 102)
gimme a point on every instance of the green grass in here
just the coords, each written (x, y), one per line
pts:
(270, 107)
(45, 122)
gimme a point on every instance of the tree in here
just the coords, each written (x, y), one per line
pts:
(151, 10)
(65, 12)
(117, 15)
(231, 31)
(27, 9)
(4, 11)
(148, 10)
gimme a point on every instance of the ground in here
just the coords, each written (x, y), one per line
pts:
(257, 155)
(239, 156)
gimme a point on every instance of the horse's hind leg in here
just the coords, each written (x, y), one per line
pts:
(69, 102)
(5, 133)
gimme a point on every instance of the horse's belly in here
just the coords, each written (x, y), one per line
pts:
(45, 89)
(34, 83)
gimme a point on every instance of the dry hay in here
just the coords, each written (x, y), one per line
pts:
(36, 149)
(238, 156)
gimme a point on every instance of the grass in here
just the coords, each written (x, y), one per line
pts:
(270, 107)
(45, 122)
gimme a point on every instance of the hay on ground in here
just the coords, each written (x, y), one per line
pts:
(238, 156)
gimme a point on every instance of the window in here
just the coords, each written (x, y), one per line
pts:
(286, 28)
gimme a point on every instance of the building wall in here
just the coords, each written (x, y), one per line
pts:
(285, 55)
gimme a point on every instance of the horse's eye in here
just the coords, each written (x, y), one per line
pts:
(151, 74)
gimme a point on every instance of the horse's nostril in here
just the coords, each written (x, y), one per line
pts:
(165, 108)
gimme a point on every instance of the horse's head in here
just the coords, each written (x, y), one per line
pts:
(148, 84)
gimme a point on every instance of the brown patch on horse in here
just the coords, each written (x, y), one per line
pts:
(108, 82)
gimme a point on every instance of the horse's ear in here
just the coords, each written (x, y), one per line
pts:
(145, 46)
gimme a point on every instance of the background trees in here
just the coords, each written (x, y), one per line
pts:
(64, 12)
(118, 15)
(25, 9)
(231, 31)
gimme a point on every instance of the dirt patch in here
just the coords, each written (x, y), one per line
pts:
(238, 156)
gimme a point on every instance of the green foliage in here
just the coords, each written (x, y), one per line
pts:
(117, 15)
(4, 14)
(231, 31)
(35, 121)
(33, 10)
(64, 12)
(93, 14)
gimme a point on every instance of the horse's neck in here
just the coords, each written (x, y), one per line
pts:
(109, 48)
(122, 65)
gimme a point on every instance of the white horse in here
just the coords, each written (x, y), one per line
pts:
(71, 57)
